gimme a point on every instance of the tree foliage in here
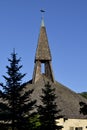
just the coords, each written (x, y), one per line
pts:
(17, 104)
(83, 108)
(84, 94)
(48, 110)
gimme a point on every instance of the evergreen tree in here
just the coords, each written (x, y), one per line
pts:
(17, 103)
(83, 108)
(48, 110)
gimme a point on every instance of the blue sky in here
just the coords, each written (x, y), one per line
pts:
(66, 25)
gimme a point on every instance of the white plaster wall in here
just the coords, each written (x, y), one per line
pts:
(72, 123)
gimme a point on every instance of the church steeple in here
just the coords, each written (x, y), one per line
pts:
(43, 56)
(43, 51)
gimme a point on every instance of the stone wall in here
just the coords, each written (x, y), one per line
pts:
(73, 124)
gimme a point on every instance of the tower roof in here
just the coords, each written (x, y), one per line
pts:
(43, 50)
(43, 56)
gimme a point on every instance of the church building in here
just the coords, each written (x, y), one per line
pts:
(67, 100)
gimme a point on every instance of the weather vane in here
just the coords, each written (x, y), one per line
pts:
(42, 11)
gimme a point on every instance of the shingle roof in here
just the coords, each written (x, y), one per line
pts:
(67, 100)
(43, 51)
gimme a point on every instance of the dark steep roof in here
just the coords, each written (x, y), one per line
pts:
(43, 50)
(67, 100)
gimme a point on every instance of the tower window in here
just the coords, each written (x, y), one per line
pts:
(42, 68)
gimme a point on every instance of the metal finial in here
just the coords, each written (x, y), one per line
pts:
(42, 11)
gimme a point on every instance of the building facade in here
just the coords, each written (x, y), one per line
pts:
(67, 100)
(73, 124)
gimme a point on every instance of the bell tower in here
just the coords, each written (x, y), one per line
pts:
(43, 57)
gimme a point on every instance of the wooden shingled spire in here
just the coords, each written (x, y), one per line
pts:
(43, 56)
